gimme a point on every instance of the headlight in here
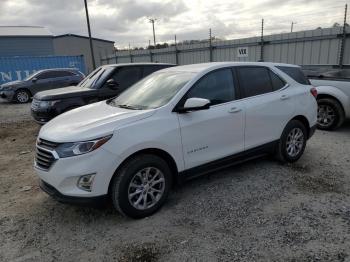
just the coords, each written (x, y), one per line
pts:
(5, 88)
(46, 104)
(79, 148)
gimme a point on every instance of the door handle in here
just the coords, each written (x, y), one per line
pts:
(234, 110)
(284, 97)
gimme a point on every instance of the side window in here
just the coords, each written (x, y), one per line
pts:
(127, 76)
(63, 73)
(295, 73)
(277, 82)
(216, 86)
(147, 70)
(47, 75)
(254, 80)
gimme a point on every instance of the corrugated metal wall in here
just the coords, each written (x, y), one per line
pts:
(312, 47)
(26, 46)
(18, 68)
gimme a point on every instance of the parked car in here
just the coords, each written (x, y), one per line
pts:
(333, 88)
(175, 124)
(21, 91)
(105, 82)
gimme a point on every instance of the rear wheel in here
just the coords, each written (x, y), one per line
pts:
(330, 114)
(22, 96)
(292, 142)
(141, 186)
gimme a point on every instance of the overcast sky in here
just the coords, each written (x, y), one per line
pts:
(125, 21)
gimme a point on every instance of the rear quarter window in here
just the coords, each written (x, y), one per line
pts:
(295, 73)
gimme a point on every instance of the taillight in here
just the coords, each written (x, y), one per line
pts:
(313, 92)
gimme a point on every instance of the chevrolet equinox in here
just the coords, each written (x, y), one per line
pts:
(175, 124)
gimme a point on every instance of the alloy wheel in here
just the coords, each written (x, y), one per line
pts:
(325, 115)
(22, 96)
(295, 142)
(146, 188)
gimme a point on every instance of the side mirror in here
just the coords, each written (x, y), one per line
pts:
(34, 79)
(194, 104)
(112, 84)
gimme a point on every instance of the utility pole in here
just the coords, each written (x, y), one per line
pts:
(210, 47)
(90, 39)
(130, 54)
(176, 53)
(262, 42)
(153, 20)
(291, 27)
(150, 50)
(342, 46)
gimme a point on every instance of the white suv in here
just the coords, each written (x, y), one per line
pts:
(175, 124)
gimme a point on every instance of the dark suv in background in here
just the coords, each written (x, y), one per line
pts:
(104, 82)
(21, 91)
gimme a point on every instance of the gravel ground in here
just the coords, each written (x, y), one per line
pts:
(12, 112)
(257, 211)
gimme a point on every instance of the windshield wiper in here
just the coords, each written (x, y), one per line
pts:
(129, 107)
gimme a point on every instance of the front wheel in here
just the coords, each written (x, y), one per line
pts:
(22, 96)
(292, 142)
(141, 186)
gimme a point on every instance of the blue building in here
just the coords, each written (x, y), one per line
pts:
(25, 41)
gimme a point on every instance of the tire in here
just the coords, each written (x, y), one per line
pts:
(22, 96)
(294, 129)
(330, 114)
(128, 193)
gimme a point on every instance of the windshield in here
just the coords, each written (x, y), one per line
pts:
(153, 91)
(96, 77)
(32, 75)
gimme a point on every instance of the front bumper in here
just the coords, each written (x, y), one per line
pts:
(55, 194)
(64, 173)
(42, 116)
(7, 94)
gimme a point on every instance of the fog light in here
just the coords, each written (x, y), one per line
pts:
(85, 182)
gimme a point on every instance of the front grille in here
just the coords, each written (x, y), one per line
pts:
(47, 144)
(35, 104)
(44, 157)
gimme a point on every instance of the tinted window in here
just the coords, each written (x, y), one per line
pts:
(127, 76)
(46, 75)
(295, 73)
(215, 86)
(64, 73)
(147, 70)
(254, 80)
(277, 82)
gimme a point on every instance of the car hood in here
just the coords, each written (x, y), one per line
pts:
(64, 92)
(90, 122)
(14, 84)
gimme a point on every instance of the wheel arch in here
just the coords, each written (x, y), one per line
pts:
(325, 96)
(336, 94)
(304, 121)
(25, 89)
(153, 151)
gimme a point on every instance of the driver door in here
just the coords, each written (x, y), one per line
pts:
(217, 132)
(124, 77)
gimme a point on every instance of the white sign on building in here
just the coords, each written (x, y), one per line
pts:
(242, 52)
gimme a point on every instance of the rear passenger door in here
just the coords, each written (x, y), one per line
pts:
(268, 104)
